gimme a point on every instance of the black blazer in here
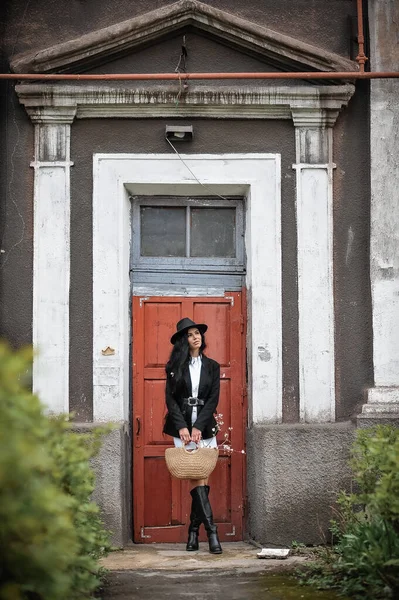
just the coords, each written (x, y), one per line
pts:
(179, 414)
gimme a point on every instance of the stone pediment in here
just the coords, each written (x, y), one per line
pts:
(102, 46)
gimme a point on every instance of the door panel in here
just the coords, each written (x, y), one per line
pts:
(162, 504)
(217, 317)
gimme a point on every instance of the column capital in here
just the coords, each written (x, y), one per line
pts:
(313, 138)
(52, 133)
(51, 115)
(311, 118)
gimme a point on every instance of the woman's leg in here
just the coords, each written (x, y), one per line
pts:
(196, 482)
(200, 496)
(195, 517)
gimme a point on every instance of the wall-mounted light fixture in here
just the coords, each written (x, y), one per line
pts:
(179, 133)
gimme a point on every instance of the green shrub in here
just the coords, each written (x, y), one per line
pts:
(364, 560)
(50, 532)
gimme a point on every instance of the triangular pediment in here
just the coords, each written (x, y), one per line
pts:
(283, 52)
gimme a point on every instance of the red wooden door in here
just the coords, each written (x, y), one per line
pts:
(162, 504)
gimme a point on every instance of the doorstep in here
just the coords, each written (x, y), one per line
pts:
(237, 556)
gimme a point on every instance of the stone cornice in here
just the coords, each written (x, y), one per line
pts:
(308, 105)
(281, 50)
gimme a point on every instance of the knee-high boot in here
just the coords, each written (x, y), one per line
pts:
(204, 508)
(195, 522)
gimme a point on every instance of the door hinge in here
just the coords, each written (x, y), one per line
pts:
(242, 323)
(142, 534)
(142, 300)
(243, 508)
(232, 532)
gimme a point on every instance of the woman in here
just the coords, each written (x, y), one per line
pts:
(192, 395)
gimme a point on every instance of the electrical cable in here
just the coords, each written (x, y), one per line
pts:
(195, 177)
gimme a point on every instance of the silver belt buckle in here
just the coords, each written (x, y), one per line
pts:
(192, 401)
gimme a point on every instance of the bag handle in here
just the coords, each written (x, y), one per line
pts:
(191, 451)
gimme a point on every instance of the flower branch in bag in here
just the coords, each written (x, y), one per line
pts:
(226, 443)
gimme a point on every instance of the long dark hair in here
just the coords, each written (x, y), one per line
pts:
(179, 358)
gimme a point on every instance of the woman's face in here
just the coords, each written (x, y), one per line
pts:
(194, 338)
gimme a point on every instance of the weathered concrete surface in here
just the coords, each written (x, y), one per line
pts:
(365, 420)
(113, 480)
(153, 571)
(43, 25)
(206, 586)
(237, 556)
(142, 30)
(294, 475)
(113, 484)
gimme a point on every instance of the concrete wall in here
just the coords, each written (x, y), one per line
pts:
(352, 293)
(294, 475)
(45, 22)
(113, 472)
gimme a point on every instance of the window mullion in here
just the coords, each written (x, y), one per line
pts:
(188, 232)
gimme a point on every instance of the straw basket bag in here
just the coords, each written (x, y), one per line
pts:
(191, 464)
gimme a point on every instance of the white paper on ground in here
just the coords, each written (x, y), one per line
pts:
(273, 553)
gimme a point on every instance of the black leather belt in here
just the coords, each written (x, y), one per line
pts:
(193, 401)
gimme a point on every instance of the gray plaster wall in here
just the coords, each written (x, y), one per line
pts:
(352, 291)
(294, 475)
(16, 210)
(43, 23)
(203, 55)
(112, 468)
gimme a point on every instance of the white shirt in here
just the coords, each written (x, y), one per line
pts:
(195, 373)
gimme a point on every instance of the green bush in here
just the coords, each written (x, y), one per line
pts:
(364, 560)
(50, 533)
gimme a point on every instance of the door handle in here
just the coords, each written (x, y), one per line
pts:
(138, 421)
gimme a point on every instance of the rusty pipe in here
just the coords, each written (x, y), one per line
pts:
(187, 76)
(361, 58)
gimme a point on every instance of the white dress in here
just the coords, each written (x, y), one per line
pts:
(195, 372)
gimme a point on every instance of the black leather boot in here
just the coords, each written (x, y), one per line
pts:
(204, 508)
(195, 522)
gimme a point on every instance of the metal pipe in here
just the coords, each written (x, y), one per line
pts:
(187, 76)
(361, 58)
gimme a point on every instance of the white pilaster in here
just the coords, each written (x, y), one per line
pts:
(383, 398)
(314, 169)
(51, 255)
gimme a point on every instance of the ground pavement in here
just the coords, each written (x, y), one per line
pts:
(154, 571)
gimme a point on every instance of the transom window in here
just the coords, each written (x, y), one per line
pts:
(187, 234)
(187, 231)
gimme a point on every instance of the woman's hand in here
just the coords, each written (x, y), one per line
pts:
(196, 435)
(184, 435)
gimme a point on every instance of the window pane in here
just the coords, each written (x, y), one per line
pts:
(163, 231)
(213, 232)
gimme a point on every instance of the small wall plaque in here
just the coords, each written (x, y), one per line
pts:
(108, 351)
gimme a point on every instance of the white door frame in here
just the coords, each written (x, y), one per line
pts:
(254, 176)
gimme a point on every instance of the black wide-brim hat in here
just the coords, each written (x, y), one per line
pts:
(184, 325)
